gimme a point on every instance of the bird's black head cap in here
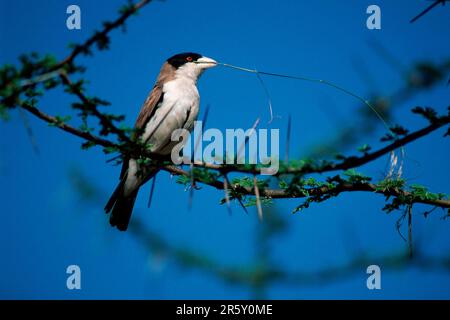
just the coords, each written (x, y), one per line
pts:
(179, 59)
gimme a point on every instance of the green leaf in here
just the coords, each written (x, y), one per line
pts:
(399, 130)
(283, 184)
(184, 180)
(60, 120)
(390, 184)
(108, 150)
(356, 177)
(252, 202)
(364, 148)
(87, 145)
(428, 113)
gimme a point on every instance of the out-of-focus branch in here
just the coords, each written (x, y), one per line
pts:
(420, 76)
(261, 273)
(428, 9)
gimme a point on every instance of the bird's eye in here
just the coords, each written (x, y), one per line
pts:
(189, 59)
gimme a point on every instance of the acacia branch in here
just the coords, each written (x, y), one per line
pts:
(348, 163)
(275, 193)
(319, 191)
(256, 276)
(353, 162)
(133, 148)
(105, 121)
(67, 128)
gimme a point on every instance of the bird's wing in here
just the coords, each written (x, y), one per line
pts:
(150, 105)
(147, 111)
(166, 74)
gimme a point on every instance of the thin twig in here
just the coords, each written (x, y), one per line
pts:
(315, 80)
(222, 186)
(247, 138)
(152, 190)
(388, 57)
(86, 101)
(288, 140)
(41, 78)
(194, 151)
(29, 130)
(227, 196)
(269, 99)
(410, 244)
(429, 8)
(63, 126)
(258, 200)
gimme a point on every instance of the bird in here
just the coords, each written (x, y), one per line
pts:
(172, 104)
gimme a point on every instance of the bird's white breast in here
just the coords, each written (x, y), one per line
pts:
(179, 109)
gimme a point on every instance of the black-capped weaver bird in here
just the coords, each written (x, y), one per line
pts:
(172, 104)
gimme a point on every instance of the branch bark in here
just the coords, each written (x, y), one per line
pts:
(274, 193)
(349, 163)
(283, 194)
(85, 100)
(67, 128)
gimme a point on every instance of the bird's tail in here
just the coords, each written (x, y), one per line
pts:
(121, 207)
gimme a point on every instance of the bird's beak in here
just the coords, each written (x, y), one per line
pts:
(206, 62)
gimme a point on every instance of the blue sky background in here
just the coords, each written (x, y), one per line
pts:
(45, 226)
